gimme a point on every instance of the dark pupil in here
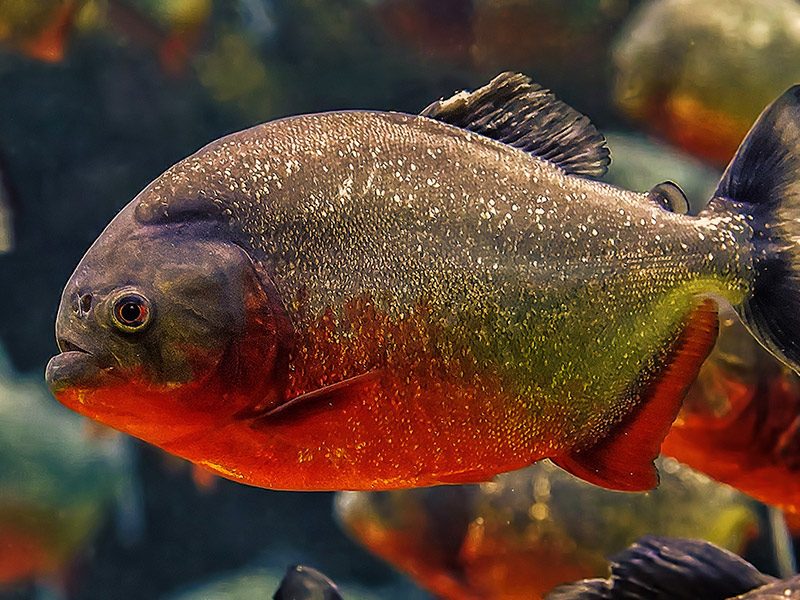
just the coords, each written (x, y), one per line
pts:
(130, 312)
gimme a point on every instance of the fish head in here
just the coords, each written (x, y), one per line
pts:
(165, 328)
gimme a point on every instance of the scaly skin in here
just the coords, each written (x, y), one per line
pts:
(494, 309)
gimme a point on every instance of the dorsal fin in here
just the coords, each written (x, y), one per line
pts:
(516, 111)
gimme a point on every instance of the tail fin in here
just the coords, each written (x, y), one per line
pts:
(763, 181)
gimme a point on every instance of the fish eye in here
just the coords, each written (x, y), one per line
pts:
(131, 312)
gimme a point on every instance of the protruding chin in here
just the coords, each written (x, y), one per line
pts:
(126, 402)
(73, 370)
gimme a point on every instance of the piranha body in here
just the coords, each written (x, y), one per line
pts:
(365, 300)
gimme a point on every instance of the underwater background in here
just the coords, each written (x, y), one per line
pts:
(98, 97)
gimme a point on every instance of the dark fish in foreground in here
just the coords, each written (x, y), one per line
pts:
(305, 583)
(366, 300)
(657, 568)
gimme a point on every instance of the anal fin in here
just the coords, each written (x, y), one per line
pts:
(624, 459)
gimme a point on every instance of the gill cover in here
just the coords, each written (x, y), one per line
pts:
(257, 360)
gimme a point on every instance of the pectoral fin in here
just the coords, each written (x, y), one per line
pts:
(466, 477)
(624, 459)
(324, 399)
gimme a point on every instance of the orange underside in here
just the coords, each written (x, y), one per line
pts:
(413, 421)
(371, 419)
(379, 435)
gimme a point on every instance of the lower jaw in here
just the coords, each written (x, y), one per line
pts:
(77, 370)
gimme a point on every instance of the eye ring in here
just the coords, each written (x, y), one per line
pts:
(131, 312)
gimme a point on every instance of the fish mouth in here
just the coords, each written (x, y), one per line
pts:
(64, 345)
(76, 367)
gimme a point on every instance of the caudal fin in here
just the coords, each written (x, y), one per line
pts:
(763, 183)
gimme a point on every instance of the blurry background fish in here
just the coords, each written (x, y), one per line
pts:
(99, 96)
(525, 532)
(38, 29)
(173, 29)
(698, 72)
(42, 30)
(58, 486)
(535, 36)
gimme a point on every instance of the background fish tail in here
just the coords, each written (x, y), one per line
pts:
(762, 184)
